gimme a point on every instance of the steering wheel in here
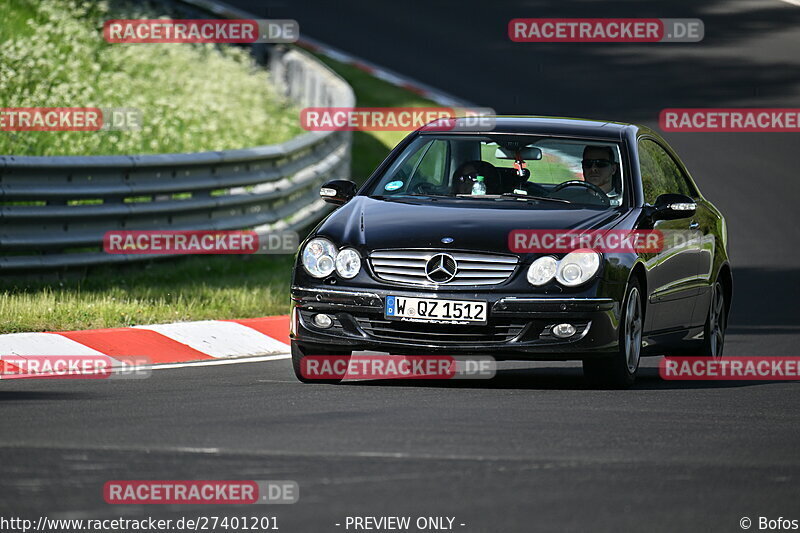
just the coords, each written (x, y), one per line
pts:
(594, 190)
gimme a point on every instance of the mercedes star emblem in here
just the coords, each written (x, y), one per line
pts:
(441, 268)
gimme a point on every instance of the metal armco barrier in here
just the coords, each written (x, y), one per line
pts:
(264, 188)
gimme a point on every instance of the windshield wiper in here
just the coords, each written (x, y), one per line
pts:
(532, 197)
(406, 196)
(390, 196)
(471, 197)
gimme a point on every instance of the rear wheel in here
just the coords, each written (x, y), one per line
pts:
(299, 352)
(716, 322)
(619, 371)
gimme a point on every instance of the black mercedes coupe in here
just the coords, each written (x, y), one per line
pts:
(452, 247)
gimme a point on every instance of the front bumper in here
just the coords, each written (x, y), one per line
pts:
(517, 327)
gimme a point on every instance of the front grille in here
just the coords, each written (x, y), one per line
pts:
(408, 266)
(396, 330)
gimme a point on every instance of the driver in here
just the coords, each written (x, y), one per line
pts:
(599, 167)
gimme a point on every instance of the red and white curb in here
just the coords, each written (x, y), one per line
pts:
(207, 341)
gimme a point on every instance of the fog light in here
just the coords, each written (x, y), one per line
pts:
(562, 331)
(324, 321)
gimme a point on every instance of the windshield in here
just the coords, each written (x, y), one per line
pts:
(507, 167)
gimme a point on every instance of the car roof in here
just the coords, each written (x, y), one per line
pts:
(540, 126)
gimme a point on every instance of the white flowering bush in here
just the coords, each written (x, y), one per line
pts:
(193, 97)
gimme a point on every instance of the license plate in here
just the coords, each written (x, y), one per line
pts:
(435, 310)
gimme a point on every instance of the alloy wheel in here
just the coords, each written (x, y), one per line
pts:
(716, 321)
(633, 330)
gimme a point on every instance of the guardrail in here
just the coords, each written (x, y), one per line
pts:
(265, 188)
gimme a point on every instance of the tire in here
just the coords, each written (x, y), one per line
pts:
(619, 370)
(299, 352)
(716, 323)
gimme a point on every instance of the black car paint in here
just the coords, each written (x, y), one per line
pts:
(675, 312)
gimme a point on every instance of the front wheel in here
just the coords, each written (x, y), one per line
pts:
(299, 352)
(619, 370)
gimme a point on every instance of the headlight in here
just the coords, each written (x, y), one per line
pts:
(348, 263)
(577, 267)
(542, 270)
(318, 257)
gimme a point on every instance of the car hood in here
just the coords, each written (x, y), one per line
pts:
(372, 224)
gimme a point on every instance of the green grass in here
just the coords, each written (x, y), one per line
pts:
(192, 288)
(193, 98)
(14, 15)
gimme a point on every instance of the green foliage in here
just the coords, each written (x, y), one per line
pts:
(193, 98)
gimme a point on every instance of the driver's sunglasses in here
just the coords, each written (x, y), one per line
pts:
(599, 163)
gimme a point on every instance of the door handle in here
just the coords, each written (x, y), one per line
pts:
(694, 225)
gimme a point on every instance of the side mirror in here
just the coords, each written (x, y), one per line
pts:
(338, 192)
(673, 207)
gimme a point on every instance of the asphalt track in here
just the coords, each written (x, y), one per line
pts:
(532, 450)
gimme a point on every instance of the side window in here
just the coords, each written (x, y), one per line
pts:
(654, 182)
(660, 173)
(682, 183)
(427, 163)
(432, 167)
(403, 172)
